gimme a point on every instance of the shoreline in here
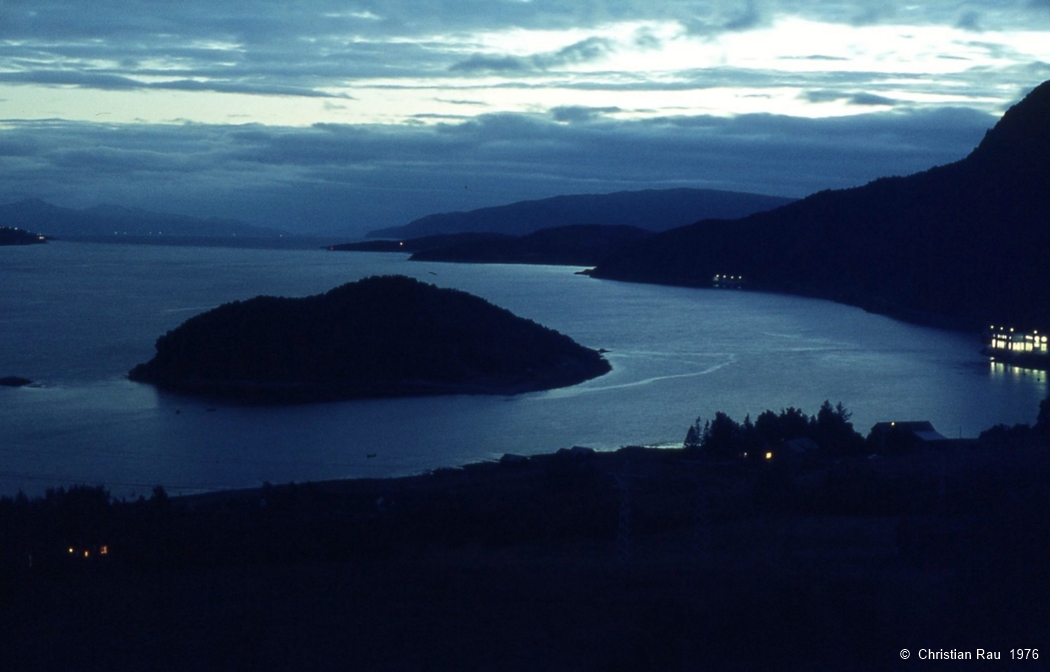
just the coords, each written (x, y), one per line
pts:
(636, 559)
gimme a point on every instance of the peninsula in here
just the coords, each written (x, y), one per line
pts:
(378, 337)
(573, 245)
(14, 236)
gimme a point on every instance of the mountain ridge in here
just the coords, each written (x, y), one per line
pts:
(961, 244)
(650, 209)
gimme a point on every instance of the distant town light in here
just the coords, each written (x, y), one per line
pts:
(769, 456)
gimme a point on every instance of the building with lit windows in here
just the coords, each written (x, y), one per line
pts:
(722, 281)
(1028, 349)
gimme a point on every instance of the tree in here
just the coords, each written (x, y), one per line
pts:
(722, 436)
(694, 437)
(833, 431)
(1042, 422)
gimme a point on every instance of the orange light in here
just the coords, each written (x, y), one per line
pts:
(87, 553)
(769, 456)
(104, 550)
(71, 549)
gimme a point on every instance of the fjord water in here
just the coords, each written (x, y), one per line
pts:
(77, 316)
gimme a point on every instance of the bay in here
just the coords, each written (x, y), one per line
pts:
(75, 317)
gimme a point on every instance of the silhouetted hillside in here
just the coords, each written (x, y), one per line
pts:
(417, 244)
(964, 243)
(382, 336)
(653, 210)
(580, 245)
(110, 220)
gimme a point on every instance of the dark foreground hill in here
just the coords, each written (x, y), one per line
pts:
(965, 243)
(545, 563)
(653, 210)
(379, 337)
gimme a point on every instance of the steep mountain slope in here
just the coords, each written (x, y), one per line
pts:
(966, 243)
(653, 210)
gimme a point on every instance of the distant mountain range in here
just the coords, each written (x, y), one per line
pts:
(652, 210)
(110, 220)
(964, 244)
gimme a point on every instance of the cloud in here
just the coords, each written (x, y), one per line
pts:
(584, 51)
(487, 63)
(969, 21)
(731, 18)
(517, 99)
(578, 114)
(348, 178)
(853, 98)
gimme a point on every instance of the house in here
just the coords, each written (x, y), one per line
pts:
(904, 437)
(1027, 349)
(801, 448)
(724, 281)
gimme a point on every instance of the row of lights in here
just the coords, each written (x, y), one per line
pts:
(102, 550)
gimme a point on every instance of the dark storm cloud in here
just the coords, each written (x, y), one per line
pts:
(354, 178)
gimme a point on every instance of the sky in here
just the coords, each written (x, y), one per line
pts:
(344, 116)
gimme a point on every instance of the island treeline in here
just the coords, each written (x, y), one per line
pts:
(378, 337)
(830, 435)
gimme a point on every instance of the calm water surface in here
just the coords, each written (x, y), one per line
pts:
(77, 317)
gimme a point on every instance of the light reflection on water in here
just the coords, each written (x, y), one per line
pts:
(80, 315)
(1007, 373)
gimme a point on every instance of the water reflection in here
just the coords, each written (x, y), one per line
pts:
(1001, 371)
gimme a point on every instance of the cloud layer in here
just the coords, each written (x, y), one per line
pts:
(327, 115)
(354, 178)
